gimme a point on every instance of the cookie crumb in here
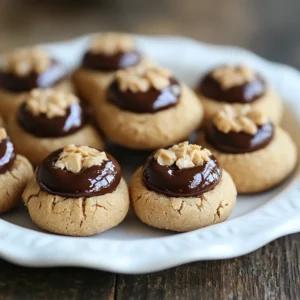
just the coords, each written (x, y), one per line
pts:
(184, 155)
(142, 79)
(51, 102)
(3, 134)
(76, 158)
(230, 76)
(23, 61)
(239, 118)
(111, 43)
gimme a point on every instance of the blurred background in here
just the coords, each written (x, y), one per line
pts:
(268, 27)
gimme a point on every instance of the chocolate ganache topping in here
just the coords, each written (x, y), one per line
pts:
(7, 154)
(51, 113)
(182, 171)
(79, 171)
(241, 130)
(111, 52)
(142, 90)
(232, 84)
(28, 68)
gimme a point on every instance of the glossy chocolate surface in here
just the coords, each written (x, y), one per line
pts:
(245, 93)
(89, 182)
(42, 126)
(239, 142)
(18, 84)
(148, 102)
(7, 155)
(175, 182)
(110, 63)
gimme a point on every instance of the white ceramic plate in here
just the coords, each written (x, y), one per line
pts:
(133, 247)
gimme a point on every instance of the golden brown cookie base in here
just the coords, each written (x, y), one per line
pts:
(151, 131)
(9, 101)
(269, 104)
(36, 148)
(184, 213)
(13, 182)
(260, 170)
(76, 216)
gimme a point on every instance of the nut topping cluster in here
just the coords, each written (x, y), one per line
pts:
(76, 158)
(239, 118)
(51, 102)
(184, 155)
(230, 76)
(141, 79)
(112, 43)
(24, 61)
(3, 134)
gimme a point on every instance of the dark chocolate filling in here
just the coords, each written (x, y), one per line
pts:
(7, 155)
(89, 182)
(42, 126)
(149, 102)
(176, 182)
(239, 142)
(18, 84)
(110, 63)
(245, 93)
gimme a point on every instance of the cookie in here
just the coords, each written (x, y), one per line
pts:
(77, 191)
(15, 171)
(257, 154)
(238, 85)
(47, 120)
(169, 192)
(147, 108)
(107, 53)
(27, 68)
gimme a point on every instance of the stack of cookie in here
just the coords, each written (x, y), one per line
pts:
(60, 125)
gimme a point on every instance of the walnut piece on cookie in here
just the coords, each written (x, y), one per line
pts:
(75, 158)
(230, 76)
(3, 134)
(141, 78)
(111, 43)
(184, 155)
(24, 61)
(51, 102)
(239, 118)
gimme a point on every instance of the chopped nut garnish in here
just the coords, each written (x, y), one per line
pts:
(111, 43)
(239, 118)
(51, 102)
(75, 158)
(3, 134)
(230, 76)
(184, 155)
(141, 79)
(24, 61)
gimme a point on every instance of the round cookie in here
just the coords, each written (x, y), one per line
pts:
(27, 68)
(61, 198)
(187, 203)
(48, 120)
(240, 84)
(257, 159)
(148, 109)
(108, 53)
(15, 171)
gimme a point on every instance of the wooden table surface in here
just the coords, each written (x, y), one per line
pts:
(271, 29)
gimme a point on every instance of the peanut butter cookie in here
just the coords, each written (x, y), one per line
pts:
(47, 120)
(147, 108)
(182, 188)
(237, 84)
(257, 154)
(27, 68)
(77, 191)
